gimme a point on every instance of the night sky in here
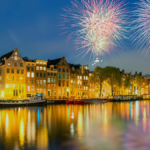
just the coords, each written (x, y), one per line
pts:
(32, 27)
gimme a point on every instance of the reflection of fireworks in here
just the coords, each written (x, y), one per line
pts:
(98, 25)
(141, 23)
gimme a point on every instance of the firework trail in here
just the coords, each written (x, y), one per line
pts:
(141, 26)
(97, 25)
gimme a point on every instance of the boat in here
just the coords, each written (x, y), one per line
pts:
(97, 101)
(124, 97)
(37, 100)
(49, 102)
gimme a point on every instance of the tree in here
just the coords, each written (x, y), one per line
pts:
(127, 83)
(139, 81)
(98, 77)
(114, 76)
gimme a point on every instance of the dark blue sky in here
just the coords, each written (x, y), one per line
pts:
(31, 26)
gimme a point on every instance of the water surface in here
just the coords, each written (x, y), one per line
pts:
(108, 126)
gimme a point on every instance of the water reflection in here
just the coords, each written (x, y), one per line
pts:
(72, 126)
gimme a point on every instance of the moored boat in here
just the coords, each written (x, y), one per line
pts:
(37, 100)
(78, 102)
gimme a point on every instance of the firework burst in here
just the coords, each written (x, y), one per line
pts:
(98, 26)
(141, 26)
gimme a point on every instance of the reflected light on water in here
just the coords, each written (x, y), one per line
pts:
(21, 133)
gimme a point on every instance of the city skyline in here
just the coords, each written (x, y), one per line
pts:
(33, 28)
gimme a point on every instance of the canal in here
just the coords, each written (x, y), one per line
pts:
(108, 126)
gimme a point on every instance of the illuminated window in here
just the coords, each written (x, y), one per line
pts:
(8, 70)
(28, 81)
(84, 87)
(28, 88)
(15, 53)
(12, 78)
(71, 81)
(28, 74)
(59, 76)
(15, 58)
(67, 77)
(32, 74)
(44, 82)
(8, 78)
(18, 71)
(37, 91)
(40, 68)
(21, 64)
(54, 80)
(48, 80)
(22, 71)
(44, 68)
(80, 77)
(63, 76)
(0, 78)
(40, 82)
(9, 64)
(86, 77)
(32, 88)
(40, 62)
(59, 91)
(37, 62)
(51, 80)
(7, 85)
(40, 90)
(37, 67)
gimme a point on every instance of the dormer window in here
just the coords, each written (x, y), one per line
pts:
(63, 63)
(9, 64)
(15, 58)
(15, 53)
(52, 68)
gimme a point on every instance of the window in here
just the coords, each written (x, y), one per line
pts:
(86, 77)
(8, 78)
(15, 53)
(51, 80)
(54, 74)
(12, 70)
(15, 58)
(32, 88)
(63, 63)
(63, 76)
(12, 78)
(40, 82)
(28, 68)
(15, 64)
(48, 80)
(37, 83)
(67, 70)
(22, 71)
(67, 77)
(18, 71)
(63, 83)
(8, 70)
(9, 64)
(44, 82)
(21, 64)
(51, 74)
(48, 74)
(59, 76)
(7, 85)
(32, 69)
(37, 74)
(40, 74)
(32, 81)
(52, 68)
(80, 77)
(40, 62)
(86, 87)
(28, 81)
(37, 67)
(59, 83)
(67, 83)
(59, 91)
(28, 88)
(54, 80)
(28, 74)
(40, 68)
(59, 69)
(63, 70)
(43, 74)
(44, 68)
(32, 74)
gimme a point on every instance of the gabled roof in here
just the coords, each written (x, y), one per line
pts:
(7, 55)
(53, 62)
(75, 66)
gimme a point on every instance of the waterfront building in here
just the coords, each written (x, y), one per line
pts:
(21, 77)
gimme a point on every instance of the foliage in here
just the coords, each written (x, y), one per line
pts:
(127, 82)
(139, 81)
